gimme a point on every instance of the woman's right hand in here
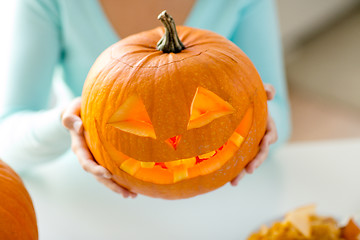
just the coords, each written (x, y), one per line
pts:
(70, 118)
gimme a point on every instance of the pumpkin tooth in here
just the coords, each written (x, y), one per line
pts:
(237, 139)
(173, 164)
(131, 166)
(180, 173)
(188, 162)
(207, 155)
(147, 164)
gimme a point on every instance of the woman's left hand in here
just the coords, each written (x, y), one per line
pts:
(270, 137)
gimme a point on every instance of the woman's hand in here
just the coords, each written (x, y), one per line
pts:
(72, 121)
(270, 137)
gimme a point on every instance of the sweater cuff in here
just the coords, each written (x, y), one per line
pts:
(50, 130)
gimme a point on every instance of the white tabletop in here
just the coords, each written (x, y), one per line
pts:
(70, 204)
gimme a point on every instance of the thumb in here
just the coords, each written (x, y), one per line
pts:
(71, 116)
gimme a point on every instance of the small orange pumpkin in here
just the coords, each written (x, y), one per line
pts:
(17, 215)
(173, 119)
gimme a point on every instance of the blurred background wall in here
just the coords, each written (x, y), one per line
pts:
(321, 41)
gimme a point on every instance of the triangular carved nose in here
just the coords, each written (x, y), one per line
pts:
(173, 141)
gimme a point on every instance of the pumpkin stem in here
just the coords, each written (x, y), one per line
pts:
(170, 41)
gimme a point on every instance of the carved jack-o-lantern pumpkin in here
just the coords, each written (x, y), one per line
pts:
(174, 120)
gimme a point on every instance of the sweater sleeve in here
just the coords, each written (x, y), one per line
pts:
(257, 34)
(31, 132)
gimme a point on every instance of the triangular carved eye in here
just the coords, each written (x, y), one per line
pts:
(206, 107)
(132, 117)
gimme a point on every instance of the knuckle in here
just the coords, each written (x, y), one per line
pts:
(75, 146)
(99, 179)
(98, 172)
(265, 142)
(66, 120)
(86, 167)
(273, 137)
(276, 137)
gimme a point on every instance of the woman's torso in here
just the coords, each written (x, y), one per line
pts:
(87, 30)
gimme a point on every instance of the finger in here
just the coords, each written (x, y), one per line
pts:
(236, 180)
(94, 168)
(71, 116)
(258, 160)
(271, 135)
(116, 188)
(269, 138)
(73, 123)
(270, 91)
(85, 157)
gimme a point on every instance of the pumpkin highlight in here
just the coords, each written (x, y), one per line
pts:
(173, 123)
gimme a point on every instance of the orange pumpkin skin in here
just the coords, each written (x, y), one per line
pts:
(167, 83)
(17, 215)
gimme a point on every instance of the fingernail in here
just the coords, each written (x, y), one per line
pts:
(77, 126)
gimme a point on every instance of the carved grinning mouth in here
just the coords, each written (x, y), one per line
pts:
(178, 170)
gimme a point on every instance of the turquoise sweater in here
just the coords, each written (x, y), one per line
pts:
(69, 35)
